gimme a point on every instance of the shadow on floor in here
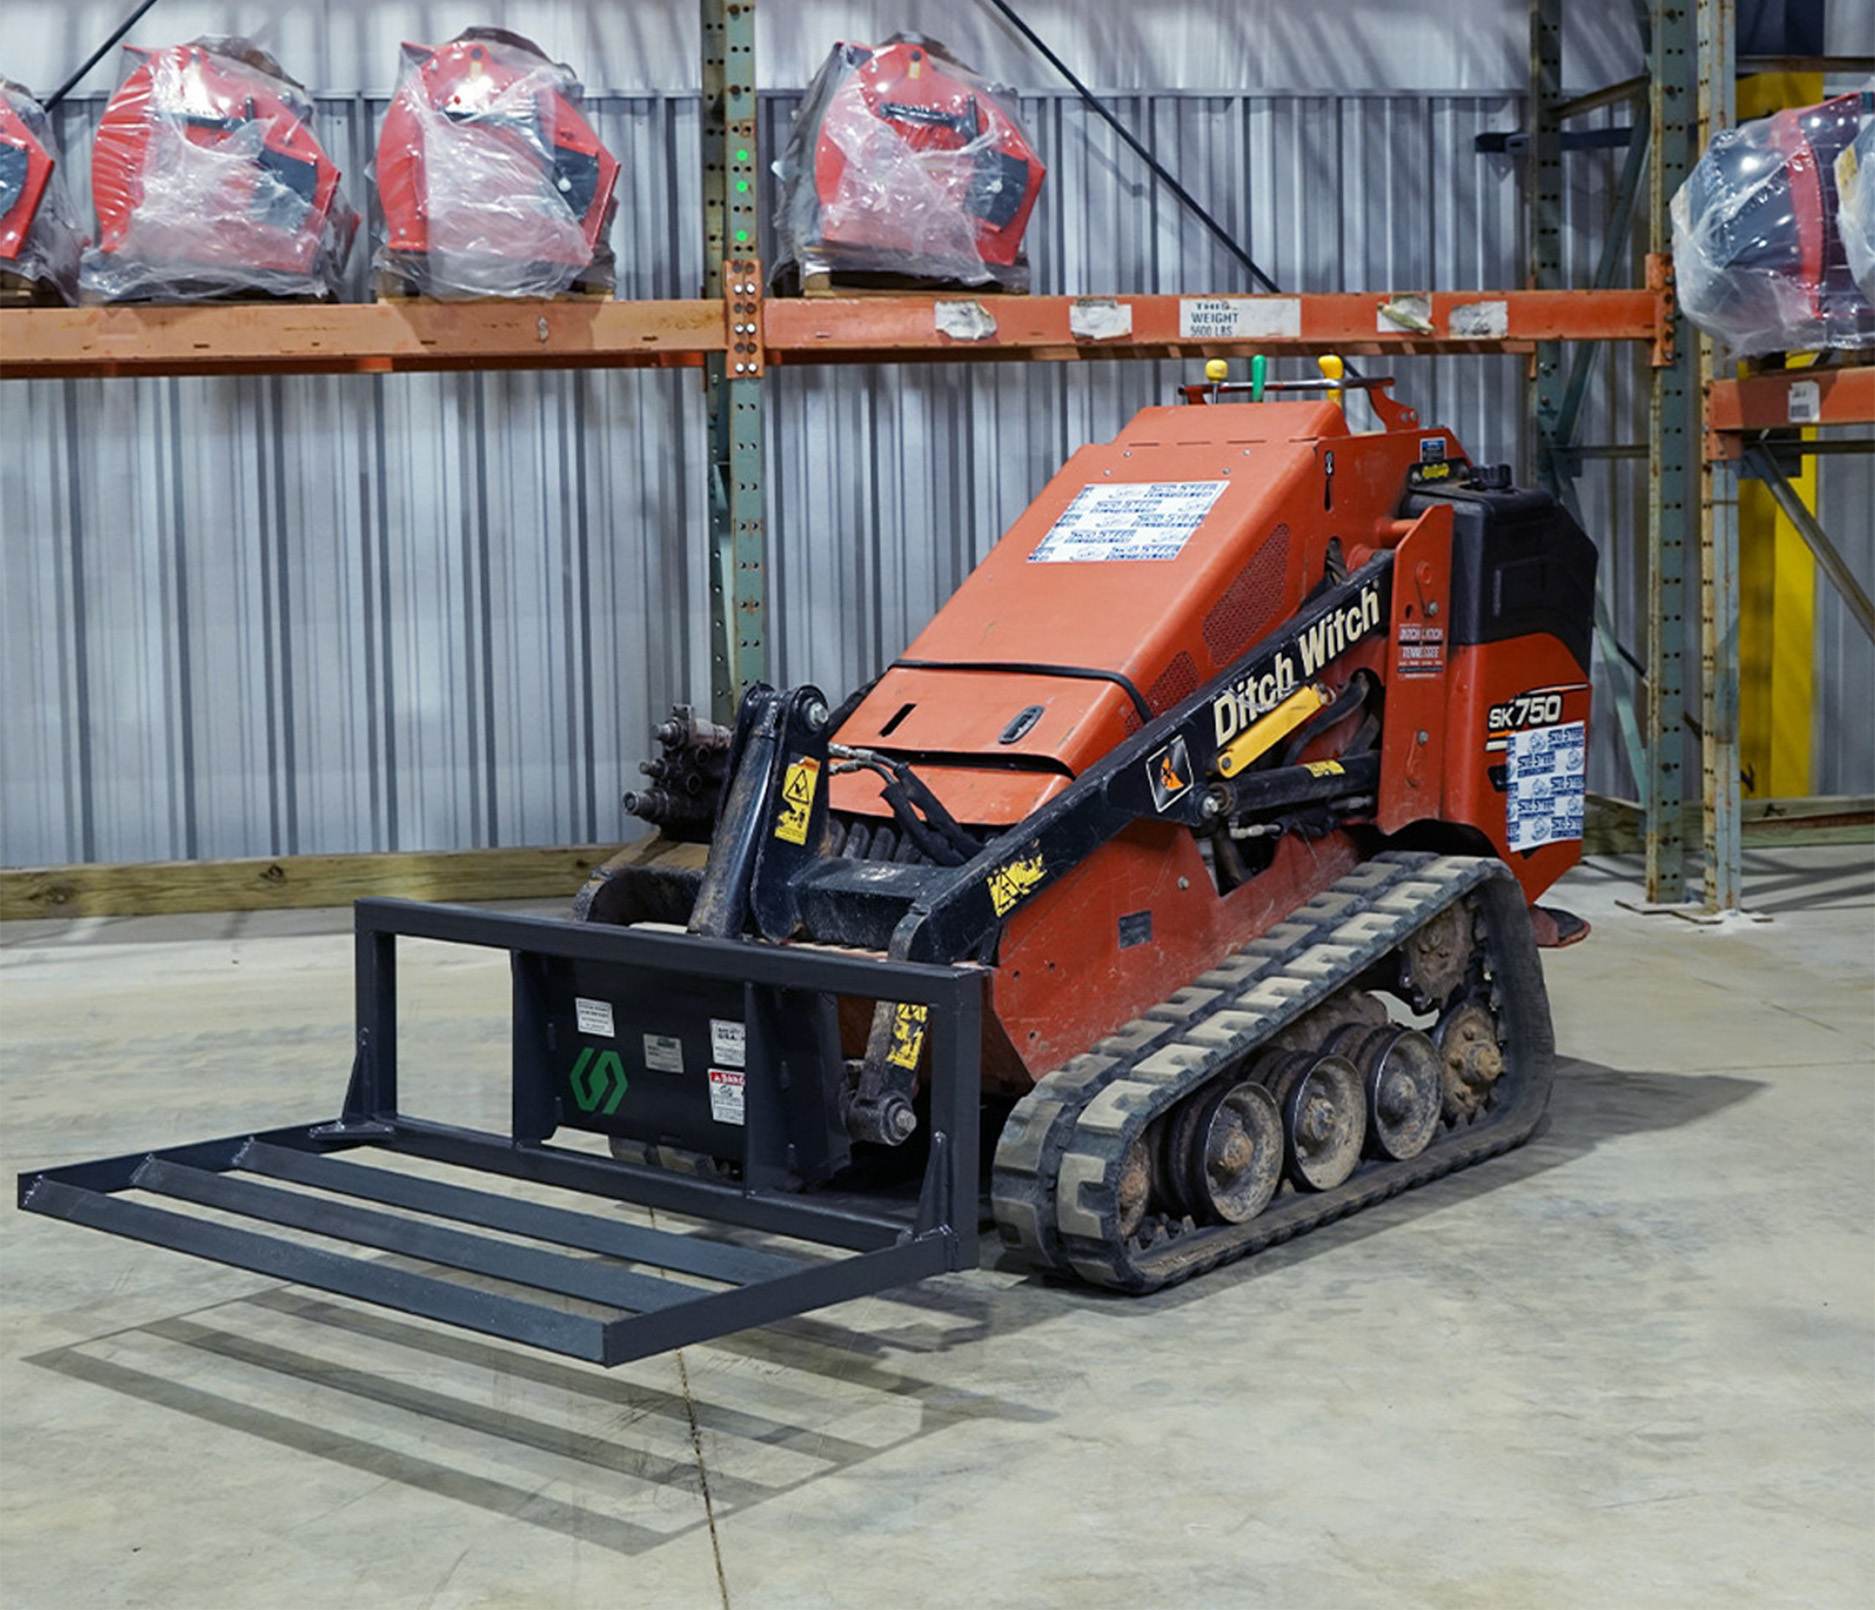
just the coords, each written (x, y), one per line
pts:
(467, 1396)
(1778, 885)
(1777, 882)
(1590, 1104)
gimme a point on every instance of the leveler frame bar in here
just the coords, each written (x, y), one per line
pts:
(724, 1286)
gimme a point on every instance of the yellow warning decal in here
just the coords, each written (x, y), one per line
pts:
(1010, 884)
(1325, 768)
(908, 1026)
(797, 799)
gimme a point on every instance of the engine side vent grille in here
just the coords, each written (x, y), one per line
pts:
(1179, 680)
(1251, 604)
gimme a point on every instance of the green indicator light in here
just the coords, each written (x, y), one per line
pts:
(742, 234)
(743, 186)
(742, 156)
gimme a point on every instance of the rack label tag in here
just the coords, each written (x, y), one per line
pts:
(1238, 318)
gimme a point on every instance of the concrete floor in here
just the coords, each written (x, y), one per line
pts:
(1631, 1365)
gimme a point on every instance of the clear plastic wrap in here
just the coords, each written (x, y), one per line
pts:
(491, 181)
(40, 236)
(209, 182)
(905, 163)
(1758, 259)
(1855, 188)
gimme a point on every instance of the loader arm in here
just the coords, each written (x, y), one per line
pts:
(960, 909)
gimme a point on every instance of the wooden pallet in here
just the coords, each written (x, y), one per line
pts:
(211, 299)
(394, 283)
(825, 285)
(18, 291)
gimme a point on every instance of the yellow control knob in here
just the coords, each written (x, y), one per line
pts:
(1216, 369)
(1332, 368)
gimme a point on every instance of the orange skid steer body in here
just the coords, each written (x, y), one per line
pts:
(1178, 872)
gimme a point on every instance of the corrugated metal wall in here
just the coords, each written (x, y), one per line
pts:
(1843, 745)
(288, 615)
(652, 45)
(320, 614)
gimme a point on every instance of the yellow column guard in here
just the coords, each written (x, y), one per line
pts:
(1776, 575)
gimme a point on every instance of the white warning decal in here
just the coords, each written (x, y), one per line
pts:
(664, 1053)
(728, 1042)
(1546, 785)
(726, 1095)
(1131, 520)
(593, 1017)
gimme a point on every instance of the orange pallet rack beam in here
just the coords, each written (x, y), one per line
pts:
(370, 338)
(313, 338)
(1820, 396)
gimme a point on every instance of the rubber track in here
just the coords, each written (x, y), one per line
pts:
(1058, 1160)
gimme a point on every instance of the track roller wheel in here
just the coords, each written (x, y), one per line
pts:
(1404, 1079)
(1324, 1117)
(1225, 1153)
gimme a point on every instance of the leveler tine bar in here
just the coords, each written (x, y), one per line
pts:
(289, 1177)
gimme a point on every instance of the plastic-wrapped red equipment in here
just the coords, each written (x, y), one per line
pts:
(209, 182)
(1758, 255)
(40, 238)
(1855, 184)
(491, 180)
(906, 163)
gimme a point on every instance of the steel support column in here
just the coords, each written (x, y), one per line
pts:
(1718, 664)
(1556, 404)
(738, 531)
(1544, 206)
(1718, 534)
(1673, 448)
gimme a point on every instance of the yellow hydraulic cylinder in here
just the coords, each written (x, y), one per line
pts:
(1263, 735)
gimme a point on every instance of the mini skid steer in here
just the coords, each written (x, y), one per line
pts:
(1172, 892)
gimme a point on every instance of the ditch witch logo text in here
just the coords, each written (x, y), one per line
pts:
(1259, 692)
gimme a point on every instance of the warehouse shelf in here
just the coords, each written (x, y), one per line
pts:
(864, 329)
(1751, 426)
(1815, 396)
(313, 338)
(735, 335)
(322, 338)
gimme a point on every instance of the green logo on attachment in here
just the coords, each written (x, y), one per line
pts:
(593, 1075)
